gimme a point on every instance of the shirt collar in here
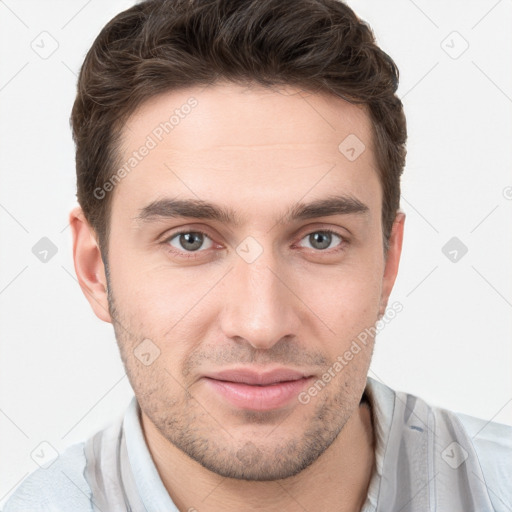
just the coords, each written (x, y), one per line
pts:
(151, 489)
(381, 399)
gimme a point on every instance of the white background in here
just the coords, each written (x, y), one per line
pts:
(61, 378)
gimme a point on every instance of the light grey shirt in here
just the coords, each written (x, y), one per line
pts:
(426, 459)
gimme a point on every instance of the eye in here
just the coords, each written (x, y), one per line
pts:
(189, 241)
(321, 240)
(186, 243)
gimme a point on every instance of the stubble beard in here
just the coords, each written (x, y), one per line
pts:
(190, 425)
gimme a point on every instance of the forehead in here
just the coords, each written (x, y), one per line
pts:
(243, 145)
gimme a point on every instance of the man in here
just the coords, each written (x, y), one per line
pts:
(238, 167)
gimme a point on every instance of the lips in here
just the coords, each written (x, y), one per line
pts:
(257, 391)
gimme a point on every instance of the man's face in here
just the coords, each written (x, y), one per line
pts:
(220, 332)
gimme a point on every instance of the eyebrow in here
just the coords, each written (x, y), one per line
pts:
(168, 208)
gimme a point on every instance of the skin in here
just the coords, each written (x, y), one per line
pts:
(298, 305)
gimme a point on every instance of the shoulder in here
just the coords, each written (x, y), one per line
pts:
(492, 443)
(438, 455)
(489, 437)
(58, 487)
(473, 455)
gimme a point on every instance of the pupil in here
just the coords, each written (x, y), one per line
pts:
(189, 239)
(322, 239)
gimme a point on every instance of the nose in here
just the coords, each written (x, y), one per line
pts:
(259, 304)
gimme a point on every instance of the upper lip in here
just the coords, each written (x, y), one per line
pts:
(260, 378)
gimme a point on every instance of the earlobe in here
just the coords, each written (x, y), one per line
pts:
(392, 260)
(89, 266)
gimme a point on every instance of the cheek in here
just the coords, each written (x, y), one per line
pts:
(141, 284)
(165, 304)
(346, 297)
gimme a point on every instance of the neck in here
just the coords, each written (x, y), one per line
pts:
(338, 479)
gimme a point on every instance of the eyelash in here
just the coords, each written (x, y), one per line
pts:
(193, 255)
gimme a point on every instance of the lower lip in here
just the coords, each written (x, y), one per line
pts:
(258, 398)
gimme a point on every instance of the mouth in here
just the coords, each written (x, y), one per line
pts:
(258, 391)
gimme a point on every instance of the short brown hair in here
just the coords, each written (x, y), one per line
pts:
(164, 45)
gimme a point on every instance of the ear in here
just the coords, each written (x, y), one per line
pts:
(89, 266)
(392, 260)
